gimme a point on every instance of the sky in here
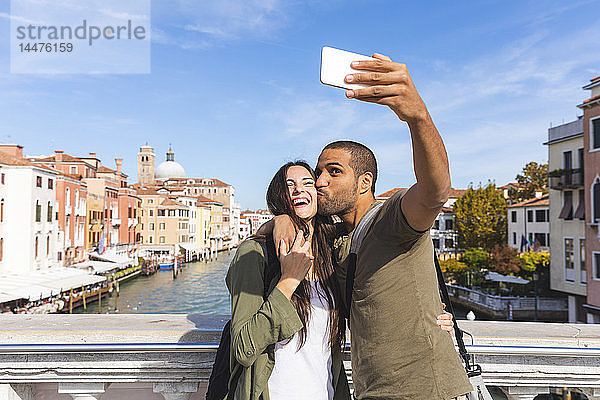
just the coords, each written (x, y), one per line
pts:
(234, 87)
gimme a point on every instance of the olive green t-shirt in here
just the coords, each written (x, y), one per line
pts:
(398, 350)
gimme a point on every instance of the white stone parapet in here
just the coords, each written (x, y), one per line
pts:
(136, 356)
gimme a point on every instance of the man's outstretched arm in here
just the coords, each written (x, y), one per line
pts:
(392, 86)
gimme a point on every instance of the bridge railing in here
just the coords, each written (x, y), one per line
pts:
(169, 356)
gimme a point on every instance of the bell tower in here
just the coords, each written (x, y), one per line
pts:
(146, 162)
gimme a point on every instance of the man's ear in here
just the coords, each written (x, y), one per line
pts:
(364, 182)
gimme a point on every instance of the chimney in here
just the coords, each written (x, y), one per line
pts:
(92, 155)
(58, 156)
(119, 162)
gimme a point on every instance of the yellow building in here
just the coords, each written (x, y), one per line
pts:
(95, 220)
(163, 221)
(216, 232)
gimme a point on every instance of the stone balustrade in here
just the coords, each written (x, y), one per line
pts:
(169, 356)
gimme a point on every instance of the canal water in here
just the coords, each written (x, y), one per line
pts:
(198, 289)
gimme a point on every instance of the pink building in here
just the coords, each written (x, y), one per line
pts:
(591, 144)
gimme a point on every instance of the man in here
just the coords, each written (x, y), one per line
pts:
(398, 351)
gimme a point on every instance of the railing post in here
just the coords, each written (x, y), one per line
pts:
(17, 391)
(83, 390)
(175, 390)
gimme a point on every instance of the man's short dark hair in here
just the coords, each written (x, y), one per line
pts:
(362, 158)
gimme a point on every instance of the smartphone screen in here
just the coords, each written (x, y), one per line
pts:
(335, 65)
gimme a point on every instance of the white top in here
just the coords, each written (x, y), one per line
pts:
(305, 373)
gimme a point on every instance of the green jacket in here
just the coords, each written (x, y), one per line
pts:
(256, 325)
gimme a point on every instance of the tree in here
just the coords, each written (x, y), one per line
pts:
(454, 270)
(481, 218)
(477, 261)
(534, 178)
(504, 260)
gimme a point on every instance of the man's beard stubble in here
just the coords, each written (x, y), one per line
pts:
(341, 203)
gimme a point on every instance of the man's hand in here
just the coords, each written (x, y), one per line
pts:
(391, 86)
(445, 321)
(283, 229)
(295, 264)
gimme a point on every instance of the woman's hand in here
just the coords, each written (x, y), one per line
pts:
(295, 264)
(445, 321)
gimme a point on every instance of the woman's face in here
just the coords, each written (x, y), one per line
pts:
(303, 193)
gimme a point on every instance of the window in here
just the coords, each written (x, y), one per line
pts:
(540, 216)
(47, 245)
(514, 237)
(38, 212)
(582, 269)
(596, 199)
(162, 239)
(2, 178)
(436, 243)
(569, 261)
(129, 212)
(449, 243)
(529, 215)
(150, 201)
(436, 224)
(595, 132)
(2, 210)
(580, 156)
(50, 184)
(1, 248)
(449, 224)
(161, 226)
(49, 217)
(172, 213)
(150, 239)
(541, 239)
(596, 275)
(513, 216)
(161, 213)
(580, 212)
(38, 181)
(73, 170)
(151, 226)
(566, 212)
(37, 242)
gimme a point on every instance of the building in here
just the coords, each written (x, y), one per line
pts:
(528, 224)
(591, 189)
(568, 273)
(443, 232)
(29, 230)
(252, 220)
(169, 179)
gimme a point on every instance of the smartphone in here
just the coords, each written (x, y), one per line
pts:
(335, 65)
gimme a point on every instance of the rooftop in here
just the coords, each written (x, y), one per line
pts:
(536, 202)
(565, 131)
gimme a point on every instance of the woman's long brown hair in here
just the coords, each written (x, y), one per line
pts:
(279, 202)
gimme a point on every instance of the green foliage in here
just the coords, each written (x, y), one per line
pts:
(455, 271)
(126, 271)
(481, 218)
(531, 260)
(476, 259)
(504, 260)
(534, 178)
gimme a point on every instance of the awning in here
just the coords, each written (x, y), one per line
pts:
(43, 284)
(496, 277)
(107, 257)
(567, 210)
(189, 247)
(580, 212)
(99, 267)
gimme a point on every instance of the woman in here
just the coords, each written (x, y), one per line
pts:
(289, 345)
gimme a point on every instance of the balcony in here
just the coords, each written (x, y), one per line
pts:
(565, 179)
(144, 355)
(116, 221)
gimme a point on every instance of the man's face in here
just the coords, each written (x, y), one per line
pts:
(337, 189)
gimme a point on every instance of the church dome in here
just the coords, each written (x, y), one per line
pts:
(170, 168)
